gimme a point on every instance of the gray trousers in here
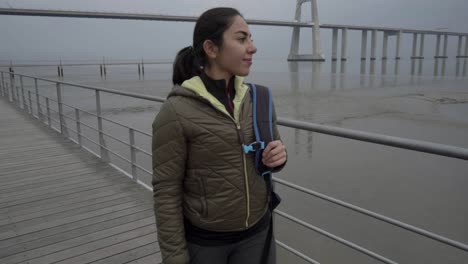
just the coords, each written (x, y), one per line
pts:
(248, 251)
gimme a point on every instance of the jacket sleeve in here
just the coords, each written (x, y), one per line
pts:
(169, 155)
(277, 136)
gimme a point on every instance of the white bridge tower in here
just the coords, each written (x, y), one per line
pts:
(317, 54)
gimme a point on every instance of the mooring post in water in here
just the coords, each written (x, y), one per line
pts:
(142, 67)
(104, 66)
(60, 70)
(100, 68)
(139, 72)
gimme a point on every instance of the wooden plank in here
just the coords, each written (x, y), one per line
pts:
(24, 161)
(33, 150)
(96, 181)
(99, 249)
(48, 174)
(69, 198)
(73, 220)
(41, 239)
(59, 193)
(64, 201)
(66, 217)
(84, 173)
(78, 241)
(48, 215)
(131, 255)
(29, 170)
(52, 164)
(150, 259)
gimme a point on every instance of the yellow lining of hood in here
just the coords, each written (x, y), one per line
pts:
(196, 84)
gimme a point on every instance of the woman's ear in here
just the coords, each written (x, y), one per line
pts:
(211, 50)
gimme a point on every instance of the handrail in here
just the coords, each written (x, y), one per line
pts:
(380, 217)
(398, 142)
(416, 145)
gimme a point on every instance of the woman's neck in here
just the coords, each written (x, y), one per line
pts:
(218, 75)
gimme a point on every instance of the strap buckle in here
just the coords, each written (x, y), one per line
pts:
(254, 146)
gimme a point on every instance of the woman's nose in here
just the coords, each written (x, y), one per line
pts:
(252, 49)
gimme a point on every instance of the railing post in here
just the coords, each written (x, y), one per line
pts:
(78, 125)
(17, 88)
(12, 94)
(30, 103)
(364, 45)
(133, 153)
(38, 105)
(23, 101)
(49, 120)
(63, 128)
(103, 151)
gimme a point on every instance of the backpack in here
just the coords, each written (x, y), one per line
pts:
(262, 108)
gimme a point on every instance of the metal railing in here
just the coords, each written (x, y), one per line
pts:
(10, 90)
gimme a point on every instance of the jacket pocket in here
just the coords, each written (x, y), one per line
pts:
(204, 204)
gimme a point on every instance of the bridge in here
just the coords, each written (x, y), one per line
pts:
(297, 24)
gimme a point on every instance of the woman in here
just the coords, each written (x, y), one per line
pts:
(210, 205)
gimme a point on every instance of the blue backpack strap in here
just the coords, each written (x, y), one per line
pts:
(262, 125)
(262, 121)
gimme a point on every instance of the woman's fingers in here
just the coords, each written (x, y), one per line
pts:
(274, 154)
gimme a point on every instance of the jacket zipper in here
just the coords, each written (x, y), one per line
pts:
(244, 162)
(246, 179)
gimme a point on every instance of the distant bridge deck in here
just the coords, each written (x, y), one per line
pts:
(60, 204)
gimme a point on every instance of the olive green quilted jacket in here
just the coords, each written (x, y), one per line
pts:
(200, 171)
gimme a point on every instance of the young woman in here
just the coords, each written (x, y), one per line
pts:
(210, 204)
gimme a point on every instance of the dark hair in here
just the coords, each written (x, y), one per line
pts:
(210, 26)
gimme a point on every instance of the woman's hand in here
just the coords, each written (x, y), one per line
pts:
(274, 154)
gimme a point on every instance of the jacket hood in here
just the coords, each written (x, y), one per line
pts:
(195, 88)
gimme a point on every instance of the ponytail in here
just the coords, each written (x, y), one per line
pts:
(185, 66)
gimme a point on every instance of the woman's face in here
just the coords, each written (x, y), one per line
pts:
(234, 57)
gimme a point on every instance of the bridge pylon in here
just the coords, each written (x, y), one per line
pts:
(317, 54)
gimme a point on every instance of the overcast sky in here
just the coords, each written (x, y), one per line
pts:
(46, 38)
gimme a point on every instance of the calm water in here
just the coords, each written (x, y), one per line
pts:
(425, 100)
